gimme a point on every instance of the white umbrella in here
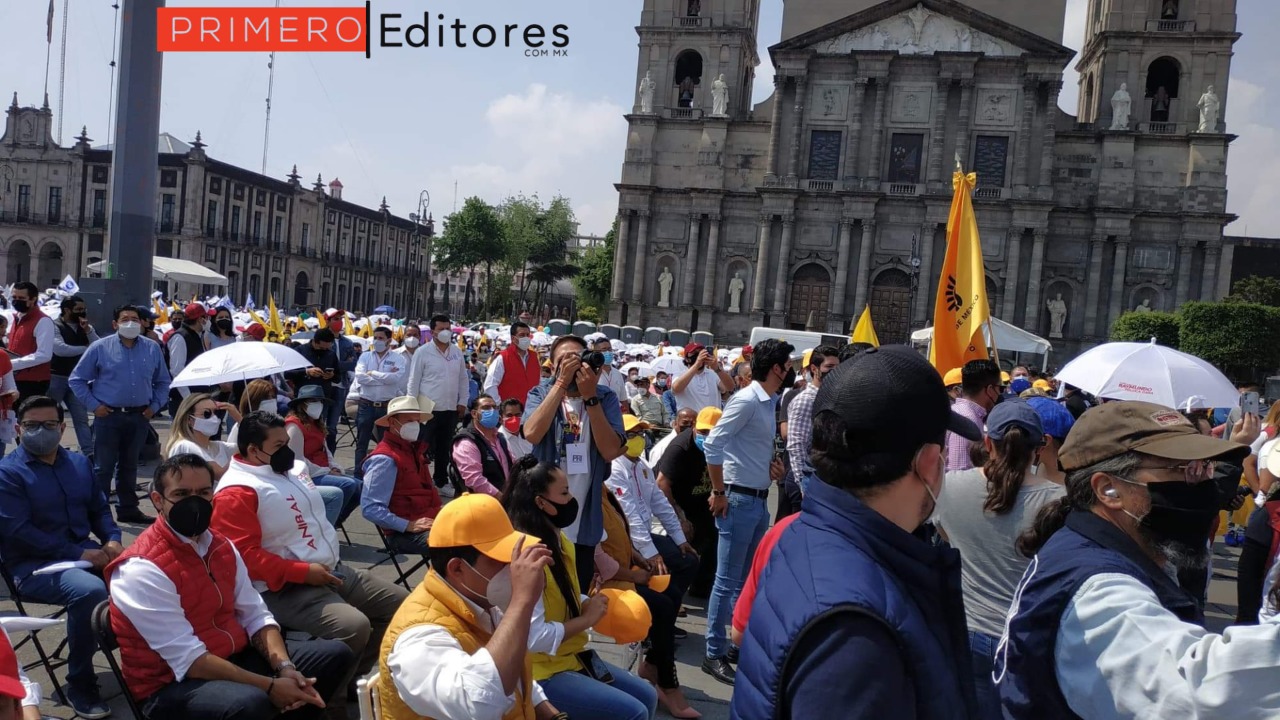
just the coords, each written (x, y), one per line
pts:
(643, 368)
(363, 342)
(238, 362)
(672, 365)
(1151, 373)
(540, 339)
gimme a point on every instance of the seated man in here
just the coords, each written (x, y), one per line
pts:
(451, 653)
(185, 614)
(399, 496)
(480, 454)
(50, 502)
(268, 506)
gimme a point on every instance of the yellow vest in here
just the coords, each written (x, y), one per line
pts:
(566, 657)
(617, 541)
(434, 602)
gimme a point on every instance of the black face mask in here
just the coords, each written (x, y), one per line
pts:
(190, 516)
(282, 460)
(1181, 513)
(789, 381)
(566, 513)
(79, 316)
(225, 325)
(21, 306)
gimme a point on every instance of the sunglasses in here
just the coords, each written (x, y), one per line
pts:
(206, 414)
(1194, 471)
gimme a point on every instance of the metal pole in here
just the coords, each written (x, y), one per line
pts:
(132, 236)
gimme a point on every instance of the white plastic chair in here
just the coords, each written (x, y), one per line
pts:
(367, 692)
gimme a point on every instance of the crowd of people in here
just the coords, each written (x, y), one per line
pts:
(971, 544)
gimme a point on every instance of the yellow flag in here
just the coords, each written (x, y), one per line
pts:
(258, 319)
(347, 327)
(864, 331)
(961, 309)
(162, 312)
(273, 316)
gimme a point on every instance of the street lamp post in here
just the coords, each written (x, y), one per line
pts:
(915, 279)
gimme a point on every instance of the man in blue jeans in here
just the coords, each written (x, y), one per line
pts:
(742, 466)
(50, 504)
(123, 377)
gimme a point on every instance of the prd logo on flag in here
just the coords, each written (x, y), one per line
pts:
(69, 285)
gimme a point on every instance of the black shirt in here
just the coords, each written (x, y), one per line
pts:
(327, 360)
(684, 465)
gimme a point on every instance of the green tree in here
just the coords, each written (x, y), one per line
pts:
(473, 237)
(1255, 289)
(594, 281)
(1142, 326)
(538, 242)
(1227, 335)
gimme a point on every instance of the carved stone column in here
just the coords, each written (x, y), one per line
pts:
(924, 300)
(638, 277)
(1012, 258)
(797, 127)
(864, 264)
(1050, 135)
(691, 259)
(938, 132)
(965, 121)
(1181, 293)
(1118, 270)
(779, 89)
(875, 157)
(1032, 320)
(1209, 278)
(781, 273)
(855, 133)
(1092, 295)
(620, 255)
(711, 262)
(1022, 166)
(762, 262)
(842, 268)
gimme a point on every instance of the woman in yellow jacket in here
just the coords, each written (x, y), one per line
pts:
(575, 679)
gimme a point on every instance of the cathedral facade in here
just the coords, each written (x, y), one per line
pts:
(833, 193)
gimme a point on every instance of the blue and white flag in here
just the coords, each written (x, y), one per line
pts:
(69, 285)
(225, 302)
(248, 303)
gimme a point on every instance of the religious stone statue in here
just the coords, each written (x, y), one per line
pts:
(555, 311)
(664, 286)
(1209, 106)
(1121, 104)
(647, 86)
(1057, 316)
(1145, 307)
(719, 97)
(736, 286)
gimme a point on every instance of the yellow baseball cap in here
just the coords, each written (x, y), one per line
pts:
(477, 520)
(631, 422)
(659, 583)
(628, 618)
(953, 377)
(1005, 377)
(708, 417)
(1042, 384)
(807, 355)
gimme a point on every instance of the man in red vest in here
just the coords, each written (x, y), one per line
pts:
(515, 370)
(399, 496)
(30, 342)
(196, 639)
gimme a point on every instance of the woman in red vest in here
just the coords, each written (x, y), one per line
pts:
(307, 431)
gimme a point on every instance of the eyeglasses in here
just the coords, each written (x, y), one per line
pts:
(32, 426)
(206, 414)
(1194, 471)
(634, 434)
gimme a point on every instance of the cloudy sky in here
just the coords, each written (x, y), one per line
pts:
(490, 120)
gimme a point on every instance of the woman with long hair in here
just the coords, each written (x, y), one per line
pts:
(575, 679)
(305, 424)
(222, 331)
(194, 426)
(982, 513)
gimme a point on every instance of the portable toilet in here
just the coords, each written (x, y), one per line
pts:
(632, 334)
(613, 332)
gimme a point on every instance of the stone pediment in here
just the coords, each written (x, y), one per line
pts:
(923, 27)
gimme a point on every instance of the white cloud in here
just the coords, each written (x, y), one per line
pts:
(1073, 37)
(1253, 176)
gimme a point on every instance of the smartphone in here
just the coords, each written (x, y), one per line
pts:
(595, 667)
(1250, 403)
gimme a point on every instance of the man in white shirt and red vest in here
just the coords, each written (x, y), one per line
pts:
(399, 497)
(515, 370)
(31, 342)
(196, 640)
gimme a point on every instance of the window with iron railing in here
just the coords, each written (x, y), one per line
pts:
(24, 203)
(55, 205)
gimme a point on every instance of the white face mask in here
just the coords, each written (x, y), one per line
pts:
(314, 410)
(412, 342)
(207, 426)
(379, 346)
(409, 431)
(444, 336)
(129, 330)
(498, 593)
(268, 405)
(523, 343)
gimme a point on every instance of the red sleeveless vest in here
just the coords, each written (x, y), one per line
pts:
(414, 496)
(313, 442)
(22, 340)
(207, 588)
(518, 378)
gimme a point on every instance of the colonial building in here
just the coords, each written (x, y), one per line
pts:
(304, 246)
(833, 193)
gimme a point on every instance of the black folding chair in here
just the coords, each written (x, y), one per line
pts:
(392, 555)
(108, 645)
(51, 662)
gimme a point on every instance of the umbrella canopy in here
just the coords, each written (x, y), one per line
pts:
(164, 268)
(239, 362)
(384, 310)
(644, 369)
(1151, 373)
(672, 365)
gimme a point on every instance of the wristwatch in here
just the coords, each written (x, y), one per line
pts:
(282, 666)
(591, 401)
(717, 493)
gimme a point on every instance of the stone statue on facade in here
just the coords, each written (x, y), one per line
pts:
(1145, 307)
(647, 86)
(1057, 316)
(1210, 107)
(665, 280)
(555, 311)
(719, 97)
(736, 286)
(1121, 105)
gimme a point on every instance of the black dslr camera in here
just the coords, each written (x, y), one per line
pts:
(592, 359)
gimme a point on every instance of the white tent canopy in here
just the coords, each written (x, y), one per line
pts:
(1009, 338)
(176, 270)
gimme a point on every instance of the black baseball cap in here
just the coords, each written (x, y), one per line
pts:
(892, 394)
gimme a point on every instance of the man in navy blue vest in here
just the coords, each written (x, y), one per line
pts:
(858, 615)
(1099, 627)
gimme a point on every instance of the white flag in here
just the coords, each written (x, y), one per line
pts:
(69, 285)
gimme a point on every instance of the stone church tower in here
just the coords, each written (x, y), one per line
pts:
(833, 193)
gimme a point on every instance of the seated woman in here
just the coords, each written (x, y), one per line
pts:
(575, 679)
(480, 454)
(306, 427)
(194, 426)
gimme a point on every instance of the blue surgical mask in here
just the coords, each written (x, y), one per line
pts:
(699, 440)
(608, 358)
(490, 418)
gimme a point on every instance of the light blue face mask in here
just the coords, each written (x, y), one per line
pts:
(490, 418)
(608, 358)
(699, 440)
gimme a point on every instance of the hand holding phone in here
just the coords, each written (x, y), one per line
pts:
(1250, 403)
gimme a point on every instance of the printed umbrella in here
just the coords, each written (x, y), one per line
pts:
(1151, 373)
(239, 362)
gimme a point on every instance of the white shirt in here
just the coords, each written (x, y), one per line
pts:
(615, 380)
(1120, 654)
(633, 483)
(150, 600)
(44, 333)
(497, 371)
(518, 446)
(178, 357)
(379, 379)
(441, 376)
(436, 678)
(702, 391)
(219, 453)
(579, 485)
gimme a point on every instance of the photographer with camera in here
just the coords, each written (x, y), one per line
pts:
(705, 382)
(575, 422)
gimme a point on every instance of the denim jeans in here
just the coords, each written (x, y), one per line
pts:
(408, 543)
(117, 442)
(79, 591)
(338, 395)
(741, 529)
(333, 498)
(350, 488)
(983, 649)
(584, 698)
(367, 432)
(61, 392)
